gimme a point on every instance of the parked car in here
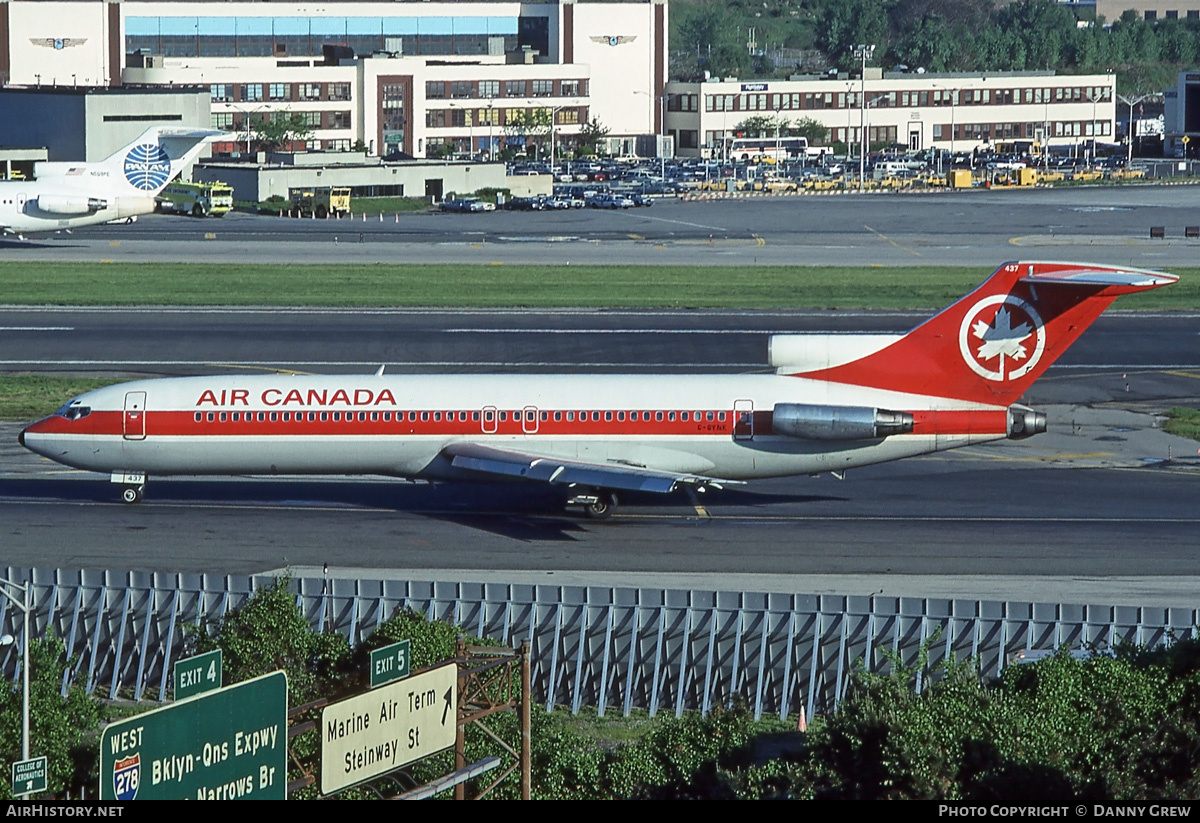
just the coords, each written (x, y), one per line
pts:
(467, 205)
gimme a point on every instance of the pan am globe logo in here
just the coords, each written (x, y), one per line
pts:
(1002, 338)
(147, 167)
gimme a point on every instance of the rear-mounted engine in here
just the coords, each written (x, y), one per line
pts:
(811, 422)
(1023, 422)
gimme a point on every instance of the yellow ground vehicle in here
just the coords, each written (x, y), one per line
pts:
(197, 199)
(320, 202)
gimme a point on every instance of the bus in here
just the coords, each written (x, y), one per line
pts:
(768, 149)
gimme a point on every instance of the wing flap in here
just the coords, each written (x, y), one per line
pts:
(507, 463)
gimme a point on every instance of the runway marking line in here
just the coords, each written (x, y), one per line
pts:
(255, 368)
(695, 501)
(1175, 373)
(883, 236)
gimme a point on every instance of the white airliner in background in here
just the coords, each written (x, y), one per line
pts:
(68, 195)
(835, 402)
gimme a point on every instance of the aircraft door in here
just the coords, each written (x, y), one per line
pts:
(134, 419)
(529, 420)
(743, 419)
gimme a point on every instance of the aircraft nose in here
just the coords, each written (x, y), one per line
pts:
(21, 437)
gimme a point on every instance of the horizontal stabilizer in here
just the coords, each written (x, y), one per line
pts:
(1131, 279)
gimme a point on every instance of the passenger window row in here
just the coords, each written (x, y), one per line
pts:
(488, 416)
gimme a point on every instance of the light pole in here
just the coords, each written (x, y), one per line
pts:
(26, 606)
(1131, 131)
(662, 130)
(491, 106)
(1094, 96)
(246, 120)
(863, 52)
(553, 112)
(849, 123)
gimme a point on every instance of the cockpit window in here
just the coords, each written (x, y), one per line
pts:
(74, 410)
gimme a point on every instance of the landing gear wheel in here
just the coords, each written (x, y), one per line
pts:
(602, 507)
(132, 494)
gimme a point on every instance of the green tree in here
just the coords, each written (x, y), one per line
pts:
(62, 729)
(844, 24)
(277, 131)
(591, 134)
(713, 37)
(811, 128)
(529, 126)
(269, 633)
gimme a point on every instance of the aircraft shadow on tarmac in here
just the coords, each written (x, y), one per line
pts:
(517, 511)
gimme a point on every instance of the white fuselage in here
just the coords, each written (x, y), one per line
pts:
(399, 425)
(23, 205)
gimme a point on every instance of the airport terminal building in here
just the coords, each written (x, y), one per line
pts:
(399, 77)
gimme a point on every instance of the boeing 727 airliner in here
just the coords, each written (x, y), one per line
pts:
(835, 402)
(69, 195)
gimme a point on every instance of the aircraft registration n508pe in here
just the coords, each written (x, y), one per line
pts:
(835, 402)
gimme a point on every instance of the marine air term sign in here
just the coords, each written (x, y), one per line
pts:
(389, 727)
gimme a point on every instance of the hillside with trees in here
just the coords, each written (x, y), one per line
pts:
(744, 38)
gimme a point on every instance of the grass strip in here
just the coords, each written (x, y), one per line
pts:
(30, 397)
(510, 286)
(1184, 422)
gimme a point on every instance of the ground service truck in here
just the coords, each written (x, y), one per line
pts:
(320, 202)
(197, 199)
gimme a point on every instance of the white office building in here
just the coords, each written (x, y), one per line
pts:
(949, 111)
(394, 77)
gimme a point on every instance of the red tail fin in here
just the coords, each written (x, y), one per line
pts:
(991, 345)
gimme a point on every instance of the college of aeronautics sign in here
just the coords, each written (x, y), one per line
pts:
(994, 338)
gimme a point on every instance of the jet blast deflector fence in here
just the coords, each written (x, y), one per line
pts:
(614, 649)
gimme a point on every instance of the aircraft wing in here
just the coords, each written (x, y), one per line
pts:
(508, 463)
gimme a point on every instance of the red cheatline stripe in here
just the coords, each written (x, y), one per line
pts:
(184, 424)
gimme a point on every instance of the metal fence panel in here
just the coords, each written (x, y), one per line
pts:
(599, 647)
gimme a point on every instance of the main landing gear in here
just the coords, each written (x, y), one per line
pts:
(597, 504)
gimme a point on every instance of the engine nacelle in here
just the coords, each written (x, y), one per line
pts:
(70, 204)
(810, 422)
(1023, 422)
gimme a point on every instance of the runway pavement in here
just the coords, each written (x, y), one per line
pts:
(1101, 509)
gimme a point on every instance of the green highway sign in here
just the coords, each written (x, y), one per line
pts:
(29, 776)
(390, 663)
(374, 733)
(197, 675)
(227, 744)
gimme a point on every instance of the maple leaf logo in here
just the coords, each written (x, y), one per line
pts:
(1014, 349)
(1001, 338)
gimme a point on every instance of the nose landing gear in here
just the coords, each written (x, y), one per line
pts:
(133, 485)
